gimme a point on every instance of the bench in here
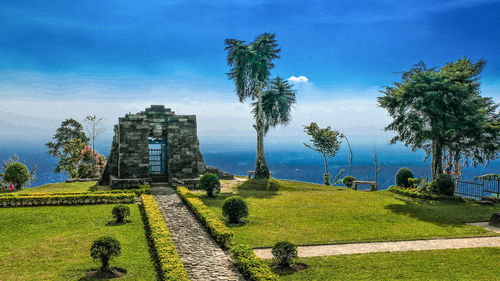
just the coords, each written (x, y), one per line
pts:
(251, 173)
(371, 183)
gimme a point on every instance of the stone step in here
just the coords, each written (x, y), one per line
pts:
(158, 184)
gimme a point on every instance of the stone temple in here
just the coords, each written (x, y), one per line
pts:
(155, 145)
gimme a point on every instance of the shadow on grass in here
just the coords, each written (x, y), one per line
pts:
(114, 223)
(441, 213)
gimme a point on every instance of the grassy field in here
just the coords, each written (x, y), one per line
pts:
(60, 187)
(52, 243)
(460, 264)
(307, 214)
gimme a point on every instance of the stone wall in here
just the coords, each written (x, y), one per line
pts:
(129, 155)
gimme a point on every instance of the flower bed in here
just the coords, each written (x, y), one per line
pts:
(137, 191)
(219, 231)
(168, 261)
(66, 199)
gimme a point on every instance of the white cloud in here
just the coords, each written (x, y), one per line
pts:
(300, 79)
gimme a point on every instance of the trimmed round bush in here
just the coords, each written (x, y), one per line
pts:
(273, 185)
(347, 181)
(402, 177)
(211, 183)
(443, 185)
(104, 249)
(234, 208)
(17, 174)
(284, 253)
(120, 212)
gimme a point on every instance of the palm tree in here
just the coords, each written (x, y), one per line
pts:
(250, 69)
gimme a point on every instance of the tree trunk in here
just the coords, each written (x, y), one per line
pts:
(437, 155)
(261, 169)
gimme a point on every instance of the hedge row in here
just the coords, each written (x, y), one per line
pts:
(428, 196)
(251, 266)
(220, 232)
(138, 192)
(168, 261)
(73, 199)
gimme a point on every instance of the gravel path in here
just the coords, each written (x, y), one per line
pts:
(362, 248)
(202, 257)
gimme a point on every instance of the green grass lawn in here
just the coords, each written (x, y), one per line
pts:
(60, 187)
(307, 214)
(52, 243)
(460, 264)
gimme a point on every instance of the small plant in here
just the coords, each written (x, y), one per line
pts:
(120, 212)
(234, 208)
(414, 183)
(273, 185)
(104, 249)
(402, 177)
(347, 181)
(211, 183)
(284, 253)
(443, 185)
(326, 179)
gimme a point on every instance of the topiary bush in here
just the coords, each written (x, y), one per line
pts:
(443, 185)
(273, 185)
(402, 177)
(284, 253)
(120, 212)
(347, 181)
(17, 174)
(104, 249)
(234, 208)
(211, 183)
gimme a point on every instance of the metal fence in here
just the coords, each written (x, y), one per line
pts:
(477, 189)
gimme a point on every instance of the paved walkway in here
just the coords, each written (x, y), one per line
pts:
(398, 246)
(202, 257)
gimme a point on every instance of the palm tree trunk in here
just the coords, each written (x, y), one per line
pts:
(261, 169)
(437, 155)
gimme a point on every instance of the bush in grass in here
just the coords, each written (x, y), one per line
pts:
(347, 181)
(211, 183)
(120, 212)
(273, 185)
(443, 185)
(234, 208)
(402, 177)
(17, 174)
(284, 253)
(104, 249)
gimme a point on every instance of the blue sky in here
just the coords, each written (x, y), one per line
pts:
(62, 59)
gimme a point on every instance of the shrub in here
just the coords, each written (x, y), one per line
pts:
(347, 181)
(17, 174)
(273, 185)
(326, 179)
(234, 208)
(219, 231)
(44, 199)
(211, 183)
(104, 249)
(424, 195)
(120, 212)
(402, 177)
(443, 185)
(169, 263)
(251, 266)
(284, 253)
(414, 183)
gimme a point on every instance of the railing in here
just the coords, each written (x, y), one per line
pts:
(477, 189)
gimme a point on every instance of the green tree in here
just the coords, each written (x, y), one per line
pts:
(68, 142)
(250, 69)
(325, 141)
(437, 109)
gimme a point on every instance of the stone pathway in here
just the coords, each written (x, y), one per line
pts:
(398, 246)
(202, 257)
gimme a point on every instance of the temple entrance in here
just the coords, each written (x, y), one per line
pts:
(157, 156)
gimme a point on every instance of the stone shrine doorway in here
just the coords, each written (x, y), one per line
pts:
(157, 156)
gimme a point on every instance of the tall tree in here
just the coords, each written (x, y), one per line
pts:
(250, 69)
(325, 141)
(92, 125)
(66, 145)
(437, 109)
